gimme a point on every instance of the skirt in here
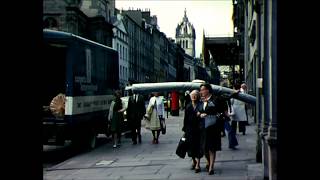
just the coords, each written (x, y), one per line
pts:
(212, 140)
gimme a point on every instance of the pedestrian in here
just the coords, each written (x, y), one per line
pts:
(135, 111)
(115, 118)
(187, 98)
(238, 116)
(233, 142)
(193, 130)
(208, 111)
(244, 89)
(155, 112)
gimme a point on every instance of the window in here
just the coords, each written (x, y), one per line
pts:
(186, 43)
(123, 52)
(120, 52)
(126, 53)
(120, 71)
(182, 43)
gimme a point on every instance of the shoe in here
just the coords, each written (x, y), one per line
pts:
(197, 170)
(233, 148)
(134, 142)
(114, 146)
(157, 141)
(153, 141)
(211, 172)
(244, 133)
(192, 167)
(207, 167)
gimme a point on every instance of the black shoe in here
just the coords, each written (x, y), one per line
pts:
(233, 148)
(192, 167)
(244, 133)
(211, 172)
(134, 142)
(197, 170)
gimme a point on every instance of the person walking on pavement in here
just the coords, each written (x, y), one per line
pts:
(116, 118)
(238, 115)
(187, 98)
(233, 142)
(135, 111)
(244, 90)
(208, 111)
(193, 130)
(154, 112)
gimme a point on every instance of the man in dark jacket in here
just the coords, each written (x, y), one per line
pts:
(135, 112)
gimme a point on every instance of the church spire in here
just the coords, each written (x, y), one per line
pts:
(185, 18)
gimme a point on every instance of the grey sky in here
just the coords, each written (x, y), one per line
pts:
(212, 16)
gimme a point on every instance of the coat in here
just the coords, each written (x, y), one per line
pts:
(135, 111)
(212, 140)
(116, 117)
(238, 110)
(193, 131)
(152, 113)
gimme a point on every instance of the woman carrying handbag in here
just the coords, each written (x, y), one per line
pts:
(193, 130)
(154, 110)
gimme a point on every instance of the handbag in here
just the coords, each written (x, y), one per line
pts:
(163, 125)
(145, 123)
(210, 120)
(182, 148)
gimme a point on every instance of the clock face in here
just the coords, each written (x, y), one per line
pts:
(57, 105)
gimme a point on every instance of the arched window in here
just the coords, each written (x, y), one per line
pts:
(186, 43)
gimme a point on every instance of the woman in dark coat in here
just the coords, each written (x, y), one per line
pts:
(192, 129)
(210, 109)
(116, 118)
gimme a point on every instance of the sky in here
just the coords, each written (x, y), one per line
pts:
(212, 16)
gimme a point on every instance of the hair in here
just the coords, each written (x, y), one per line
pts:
(196, 92)
(117, 93)
(156, 93)
(207, 86)
(237, 86)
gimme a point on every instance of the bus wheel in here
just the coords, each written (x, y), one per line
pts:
(92, 140)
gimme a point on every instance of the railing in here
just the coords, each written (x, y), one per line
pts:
(219, 35)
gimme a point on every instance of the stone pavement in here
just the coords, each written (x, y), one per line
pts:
(158, 161)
